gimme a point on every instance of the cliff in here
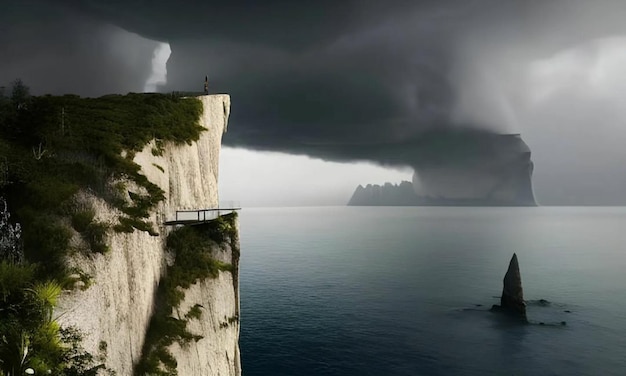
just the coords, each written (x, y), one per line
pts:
(462, 169)
(386, 195)
(115, 309)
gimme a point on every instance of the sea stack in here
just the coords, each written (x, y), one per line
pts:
(512, 299)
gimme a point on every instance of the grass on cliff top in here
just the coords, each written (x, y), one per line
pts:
(192, 247)
(53, 146)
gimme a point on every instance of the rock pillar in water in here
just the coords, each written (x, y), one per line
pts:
(512, 299)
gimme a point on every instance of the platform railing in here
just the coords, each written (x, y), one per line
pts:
(203, 215)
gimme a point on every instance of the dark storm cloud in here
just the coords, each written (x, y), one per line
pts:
(309, 77)
(340, 80)
(381, 78)
(253, 22)
(304, 77)
(300, 73)
(55, 49)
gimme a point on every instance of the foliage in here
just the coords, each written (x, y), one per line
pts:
(20, 93)
(222, 228)
(195, 312)
(50, 148)
(93, 232)
(191, 246)
(77, 361)
(54, 146)
(29, 336)
(13, 352)
(47, 240)
(128, 224)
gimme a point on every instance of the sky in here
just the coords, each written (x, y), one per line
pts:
(330, 94)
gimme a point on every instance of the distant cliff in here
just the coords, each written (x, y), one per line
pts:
(386, 195)
(482, 170)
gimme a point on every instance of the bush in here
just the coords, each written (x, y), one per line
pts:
(195, 312)
(82, 219)
(58, 145)
(92, 232)
(29, 335)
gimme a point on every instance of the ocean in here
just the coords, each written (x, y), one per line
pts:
(407, 291)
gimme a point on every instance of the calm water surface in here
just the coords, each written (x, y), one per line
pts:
(405, 291)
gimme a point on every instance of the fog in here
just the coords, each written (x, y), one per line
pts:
(253, 178)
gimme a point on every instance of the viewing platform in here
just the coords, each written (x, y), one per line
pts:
(199, 216)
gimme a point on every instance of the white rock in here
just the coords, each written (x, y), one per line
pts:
(117, 307)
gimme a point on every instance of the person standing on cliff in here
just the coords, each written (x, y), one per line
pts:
(206, 85)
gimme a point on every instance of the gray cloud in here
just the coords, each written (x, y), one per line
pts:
(55, 49)
(350, 80)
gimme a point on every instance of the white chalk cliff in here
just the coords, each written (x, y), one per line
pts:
(115, 309)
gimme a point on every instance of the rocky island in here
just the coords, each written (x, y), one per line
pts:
(460, 169)
(512, 299)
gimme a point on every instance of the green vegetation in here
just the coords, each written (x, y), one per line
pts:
(228, 321)
(29, 336)
(194, 313)
(50, 149)
(191, 247)
(93, 232)
(53, 146)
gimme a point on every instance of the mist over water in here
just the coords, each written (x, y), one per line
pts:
(395, 291)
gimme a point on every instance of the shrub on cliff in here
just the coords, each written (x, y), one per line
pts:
(29, 335)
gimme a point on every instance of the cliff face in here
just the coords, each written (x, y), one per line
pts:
(217, 352)
(493, 170)
(462, 170)
(114, 310)
(385, 195)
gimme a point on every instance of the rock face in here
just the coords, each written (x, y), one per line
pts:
(114, 311)
(485, 168)
(463, 169)
(386, 195)
(512, 299)
(217, 353)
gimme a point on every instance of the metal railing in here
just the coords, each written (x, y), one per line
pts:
(203, 215)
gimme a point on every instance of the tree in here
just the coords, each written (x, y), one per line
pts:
(5, 108)
(11, 107)
(20, 94)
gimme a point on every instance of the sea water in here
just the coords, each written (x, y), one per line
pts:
(407, 291)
